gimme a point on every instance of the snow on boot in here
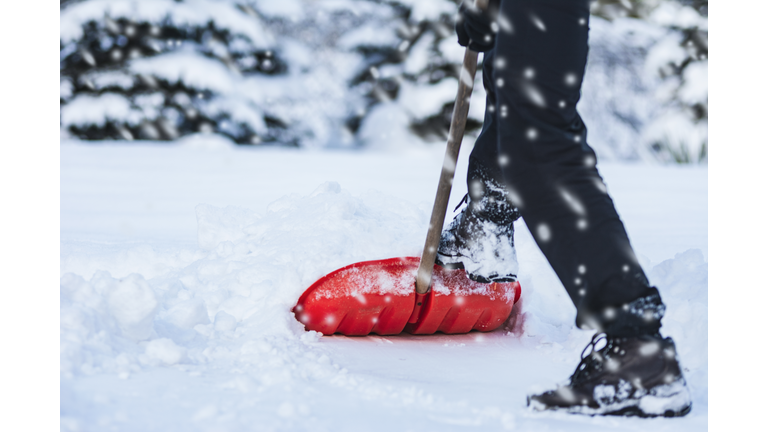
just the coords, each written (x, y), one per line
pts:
(480, 239)
(630, 376)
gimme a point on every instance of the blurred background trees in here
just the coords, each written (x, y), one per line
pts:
(645, 91)
(359, 73)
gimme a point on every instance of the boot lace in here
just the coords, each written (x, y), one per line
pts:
(502, 216)
(462, 202)
(591, 361)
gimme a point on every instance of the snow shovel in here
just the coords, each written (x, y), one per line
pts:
(410, 294)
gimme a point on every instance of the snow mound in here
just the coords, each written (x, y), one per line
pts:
(683, 283)
(251, 269)
(547, 314)
(240, 289)
(204, 337)
(228, 313)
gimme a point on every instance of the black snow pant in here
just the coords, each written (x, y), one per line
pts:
(535, 143)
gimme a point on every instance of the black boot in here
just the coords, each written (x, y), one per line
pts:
(481, 238)
(630, 376)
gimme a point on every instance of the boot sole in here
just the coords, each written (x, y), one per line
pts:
(671, 400)
(629, 411)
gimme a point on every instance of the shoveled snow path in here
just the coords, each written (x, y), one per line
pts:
(220, 351)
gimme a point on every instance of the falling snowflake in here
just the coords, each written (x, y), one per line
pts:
(534, 95)
(538, 23)
(529, 73)
(476, 189)
(544, 232)
(504, 23)
(573, 202)
(600, 185)
(514, 197)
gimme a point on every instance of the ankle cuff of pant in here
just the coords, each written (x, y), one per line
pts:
(640, 316)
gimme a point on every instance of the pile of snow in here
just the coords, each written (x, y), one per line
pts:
(249, 272)
(199, 337)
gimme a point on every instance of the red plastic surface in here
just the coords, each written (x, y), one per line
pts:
(379, 297)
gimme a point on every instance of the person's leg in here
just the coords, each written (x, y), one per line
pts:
(552, 179)
(485, 153)
(481, 238)
(541, 54)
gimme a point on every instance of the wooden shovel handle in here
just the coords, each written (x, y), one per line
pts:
(455, 135)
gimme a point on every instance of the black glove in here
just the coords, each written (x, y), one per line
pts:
(477, 29)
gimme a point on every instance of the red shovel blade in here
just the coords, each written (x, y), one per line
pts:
(379, 297)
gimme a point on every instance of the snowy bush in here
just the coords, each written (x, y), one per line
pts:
(255, 71)
(413, 81)
(347, 73)
(645, 94)
(679, 132)
(162, 69)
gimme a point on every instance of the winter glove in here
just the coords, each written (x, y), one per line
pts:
(477, 28)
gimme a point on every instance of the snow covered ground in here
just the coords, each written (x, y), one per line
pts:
(180, 263)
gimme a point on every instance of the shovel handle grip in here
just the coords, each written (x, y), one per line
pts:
(455, 135)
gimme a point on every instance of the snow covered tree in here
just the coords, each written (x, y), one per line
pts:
(326, 46)
(410, 84)
(679, 132)
(255, 71)
(162, 69)
(347, 73)
(648, 71)
(645, 92)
